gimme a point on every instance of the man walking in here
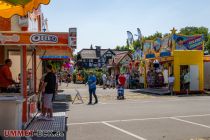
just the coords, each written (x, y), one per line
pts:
(49, 89)
(92, 88)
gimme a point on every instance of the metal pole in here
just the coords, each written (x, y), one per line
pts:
(24, 82)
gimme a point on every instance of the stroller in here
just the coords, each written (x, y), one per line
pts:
(120, 92)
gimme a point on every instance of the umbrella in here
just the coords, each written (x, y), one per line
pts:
(9, 8)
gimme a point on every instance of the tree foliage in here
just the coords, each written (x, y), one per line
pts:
(154, 36)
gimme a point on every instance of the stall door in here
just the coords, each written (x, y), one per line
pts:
(207, 75)
(194, 78)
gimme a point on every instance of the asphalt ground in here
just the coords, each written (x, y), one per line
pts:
(144, 118)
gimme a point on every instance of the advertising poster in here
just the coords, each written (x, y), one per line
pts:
(166, 44)
(188, 42)
(147, 48)
(73, 37)
(157, 45)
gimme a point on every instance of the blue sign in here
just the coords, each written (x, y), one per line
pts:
(54, 57)
(150, 55)
(164, 54)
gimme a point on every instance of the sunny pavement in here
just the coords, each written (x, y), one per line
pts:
(139, 117)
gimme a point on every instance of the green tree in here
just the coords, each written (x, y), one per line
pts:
(207, 44)
(166, 34)
(118, 48)
(75, 56)
(154, 36)
(136, 44)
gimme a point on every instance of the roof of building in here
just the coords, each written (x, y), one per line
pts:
(118, 58)
(91, 53)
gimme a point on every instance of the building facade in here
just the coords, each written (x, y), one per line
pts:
(91, 58)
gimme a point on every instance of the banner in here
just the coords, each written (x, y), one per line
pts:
(130, 37)
(139, 35)
(188, 42)
(34, 38)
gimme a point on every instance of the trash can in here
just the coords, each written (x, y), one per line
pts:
(11, 114)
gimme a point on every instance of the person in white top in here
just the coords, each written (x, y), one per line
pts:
(165, 75)
(171, 80)
(104, 78)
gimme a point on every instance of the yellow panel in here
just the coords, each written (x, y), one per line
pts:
(7, 10)
(188, 58)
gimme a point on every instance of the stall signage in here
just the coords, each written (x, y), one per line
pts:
(150, 56)
(189, 42)
(72, 42)
(45, 38)
(54, 57)
(164, 54)
(9, 38)
(34, 38)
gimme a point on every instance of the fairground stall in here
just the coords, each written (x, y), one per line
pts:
(23, 105)
(136, 69)
(177, 55)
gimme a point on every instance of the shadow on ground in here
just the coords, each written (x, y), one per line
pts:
(60, 106)
(194, 94)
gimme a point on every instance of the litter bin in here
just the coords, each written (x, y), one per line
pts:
(11, 114)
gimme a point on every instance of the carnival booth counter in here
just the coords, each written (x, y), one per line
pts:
(177, 55)
(19, 99)
(20, 108)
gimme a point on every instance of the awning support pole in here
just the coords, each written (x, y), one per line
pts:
(24, 82)
(34, 70)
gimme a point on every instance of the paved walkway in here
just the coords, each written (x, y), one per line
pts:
(103, 94)
(182, 118)
(139, 117)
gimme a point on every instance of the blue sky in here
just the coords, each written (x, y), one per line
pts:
(105, 22)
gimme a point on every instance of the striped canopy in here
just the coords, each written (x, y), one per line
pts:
(9, 8)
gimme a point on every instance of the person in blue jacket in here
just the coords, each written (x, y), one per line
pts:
(92, 88)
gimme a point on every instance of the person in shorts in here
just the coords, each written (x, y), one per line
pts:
(171, 80)
(49, 89)
(41, 97)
